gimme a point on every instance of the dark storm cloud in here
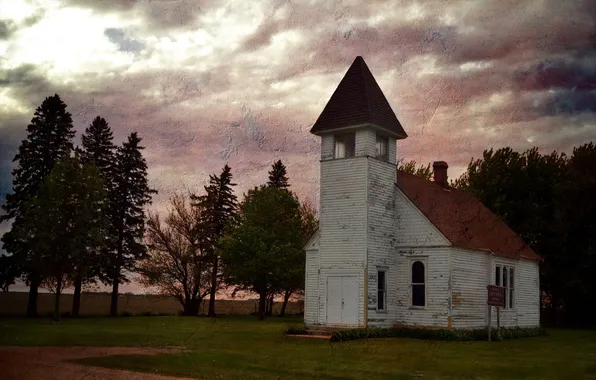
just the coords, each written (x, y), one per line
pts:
(159, 15)
(12, 131)
(573, 102)
(28, 84)
(118, 37)
(571, 72)
(7, 28)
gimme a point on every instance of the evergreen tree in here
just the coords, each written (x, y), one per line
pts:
(277, 178)
(49, 138)
(98, 149)
(131, 193)
(219, 206)
(278, 175)
(65, 223)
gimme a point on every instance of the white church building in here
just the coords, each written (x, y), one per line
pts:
(393, 249)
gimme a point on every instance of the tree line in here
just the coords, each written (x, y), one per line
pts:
(550, 201)
(78, 218)
(210, 241)
(77, 212)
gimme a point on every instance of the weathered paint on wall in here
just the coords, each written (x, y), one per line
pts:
(368, 224)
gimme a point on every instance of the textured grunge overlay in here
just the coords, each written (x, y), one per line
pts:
(207, 83)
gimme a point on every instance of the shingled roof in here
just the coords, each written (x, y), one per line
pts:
(358, 99)
(463, 219)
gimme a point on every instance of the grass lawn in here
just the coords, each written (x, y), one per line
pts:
(244, 348)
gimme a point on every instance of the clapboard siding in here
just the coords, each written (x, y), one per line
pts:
(343, 213)
(382, 236)
(469, 270)
(436, 310)
(392, 151)
(365, 142)
(413, 228)
(527, 300)
(311, 287)
(327, 148)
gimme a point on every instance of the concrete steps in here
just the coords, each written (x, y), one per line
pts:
(319, 332)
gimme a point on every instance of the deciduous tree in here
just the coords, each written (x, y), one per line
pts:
(547, 199)
(9, 271)
(177, 265)
(262, 246)
(411, 167)
(65, 224)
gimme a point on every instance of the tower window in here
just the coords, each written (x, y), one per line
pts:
(382, 147)
(345, 145)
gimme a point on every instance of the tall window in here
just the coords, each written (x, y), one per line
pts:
(382, 147)
(418, 293)
(345, 145)
(505, 277)
(381, 290)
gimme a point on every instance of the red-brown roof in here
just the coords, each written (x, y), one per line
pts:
(463, 219)
(358, 100)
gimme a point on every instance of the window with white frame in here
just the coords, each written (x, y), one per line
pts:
(418, 284)
(345, 145)
(382, 148)
(505, 277)
(381, 291)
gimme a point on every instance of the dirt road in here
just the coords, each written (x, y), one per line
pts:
(47, 363)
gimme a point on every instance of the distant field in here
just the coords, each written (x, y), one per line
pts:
(244, 348)
(15, 303)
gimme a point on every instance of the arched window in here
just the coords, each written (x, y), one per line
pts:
(418, 294)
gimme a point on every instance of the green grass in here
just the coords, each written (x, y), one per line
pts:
(244, 348)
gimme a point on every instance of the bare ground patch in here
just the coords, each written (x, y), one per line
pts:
(48, 363)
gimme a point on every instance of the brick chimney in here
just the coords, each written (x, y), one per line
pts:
(440, 172)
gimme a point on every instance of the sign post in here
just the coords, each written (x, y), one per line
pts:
(496, 297)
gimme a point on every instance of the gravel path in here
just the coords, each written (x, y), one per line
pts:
(47, 363)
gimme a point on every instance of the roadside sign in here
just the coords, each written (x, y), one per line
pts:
(496, 296)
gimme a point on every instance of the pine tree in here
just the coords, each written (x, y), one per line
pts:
(98, 146)
(49, 138)
(65, 223)
(130, 195)
(278, 176)
(220, 208)
(98, 149)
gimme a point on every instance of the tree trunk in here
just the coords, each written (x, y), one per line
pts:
(57, 300)
(114, 302)
(262, 302)
(269, 311)
(285, 304)
(76, 298)
(191, 307)
(211, 312)
(32, 302)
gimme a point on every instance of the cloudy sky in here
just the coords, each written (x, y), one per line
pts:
(207, 83)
